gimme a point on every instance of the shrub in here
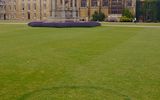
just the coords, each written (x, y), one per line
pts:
(98, 16)
(125, 19)
(64, 24)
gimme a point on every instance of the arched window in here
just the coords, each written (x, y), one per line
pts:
(83, 3)
(93, 3)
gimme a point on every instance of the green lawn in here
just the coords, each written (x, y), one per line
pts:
(102, 63)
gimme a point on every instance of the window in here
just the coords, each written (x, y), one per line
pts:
(29, 7)
(129, 3)
(14, 7)
(116, 7)
(71, 4)
(94, 3)
(34, 6)
(22, 6)
(44, 6)
(10, 8)
(75, 3)
(83, 3)
(105, 3)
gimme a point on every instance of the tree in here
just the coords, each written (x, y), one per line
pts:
(139, 11)
(148, 10)
(127, 13)
(158, 7)
(126, 16)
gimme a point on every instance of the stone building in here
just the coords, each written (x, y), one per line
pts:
(65, 9)
(84, 9)
(2, 9)
(11, 9)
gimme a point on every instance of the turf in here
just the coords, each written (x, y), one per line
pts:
(102, 63)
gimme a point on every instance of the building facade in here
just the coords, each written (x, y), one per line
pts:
(63, 9)
(2, 9)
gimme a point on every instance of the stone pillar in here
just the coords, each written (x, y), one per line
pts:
(53, 8)
(73, 9)
(63, 9)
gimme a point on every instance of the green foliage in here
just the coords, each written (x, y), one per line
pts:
(148, 11)
(125, 19)
(98, 16)
(127, 16)
(127, 13)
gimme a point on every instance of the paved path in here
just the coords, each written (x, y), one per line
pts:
(133, 26)
(13, 23)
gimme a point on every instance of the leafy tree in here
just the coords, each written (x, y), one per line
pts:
(149, 10)
(158, 8)
(126, 16)
(127, 13)
(138, 9)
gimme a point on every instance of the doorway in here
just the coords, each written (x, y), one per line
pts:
(29, 15)
(4, 16)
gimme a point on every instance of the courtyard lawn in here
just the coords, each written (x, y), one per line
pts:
(102, 63)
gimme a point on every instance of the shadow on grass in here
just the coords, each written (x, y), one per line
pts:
(105, 90)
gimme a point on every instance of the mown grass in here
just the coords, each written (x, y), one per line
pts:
(102, 63)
